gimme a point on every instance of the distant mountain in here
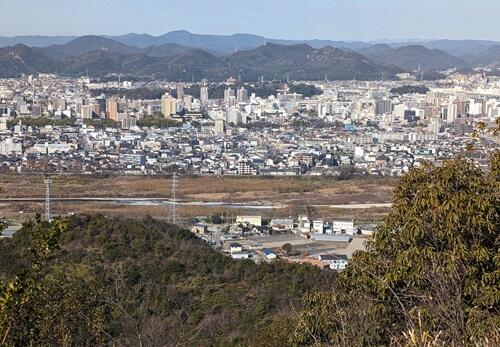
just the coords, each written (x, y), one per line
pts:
(223, 44)
(458, 48)
(165, 50)
(137, 40)
(95, 63)
(348, 45)
(21, 59)
(228, 44)
(35, 40)
(412, 57)
(272, 61)
(87, 44)
(374, 50)
(188, 65)
(302, 62)
(490, 57)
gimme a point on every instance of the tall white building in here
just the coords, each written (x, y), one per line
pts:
(228, 94)
(219, 128)
(242, 95)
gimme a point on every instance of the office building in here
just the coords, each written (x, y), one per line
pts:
(168, 106)
(112, 109)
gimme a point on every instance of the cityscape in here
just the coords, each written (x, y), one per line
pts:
(52, 124)
(300, 182)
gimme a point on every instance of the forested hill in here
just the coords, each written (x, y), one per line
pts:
(97, 281)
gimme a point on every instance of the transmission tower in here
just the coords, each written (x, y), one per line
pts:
(173, 206)
(48, 183)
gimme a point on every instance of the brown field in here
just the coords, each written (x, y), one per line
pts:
(228, 189)
(29, 210)
(297, 193)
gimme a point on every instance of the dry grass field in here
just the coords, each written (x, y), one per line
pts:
(297, 193)
(321, 190)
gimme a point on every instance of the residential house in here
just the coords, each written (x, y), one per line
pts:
(334, 261)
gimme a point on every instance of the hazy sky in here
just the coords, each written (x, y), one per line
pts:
(290, 19)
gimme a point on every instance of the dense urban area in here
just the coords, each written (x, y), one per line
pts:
(338, 128)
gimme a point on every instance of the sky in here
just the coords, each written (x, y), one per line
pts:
(364, 20)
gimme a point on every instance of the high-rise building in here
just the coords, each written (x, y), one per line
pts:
(112, 109)
(219, 128)
(95, 108)
(231, 102)
(36, 110)
(383, 106)
(233, 116)
(228, 93)
(188, 102)
(204, 95)
(154, 106)
(451, 113)
(242, 95)
(475, 107)
(180, 92)
(102, 105)
(86, 112)
(168, 106)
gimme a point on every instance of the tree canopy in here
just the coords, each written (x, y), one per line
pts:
(92, 280)
(430, 276)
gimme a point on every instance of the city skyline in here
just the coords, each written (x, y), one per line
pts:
(356, 20)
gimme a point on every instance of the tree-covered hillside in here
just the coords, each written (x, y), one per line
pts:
(89, 281)
(431, 274)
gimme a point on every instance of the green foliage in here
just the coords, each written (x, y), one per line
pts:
(47, 305)
(346, 172)
(410, 90)
(288, 248)
(42, 122)
(102, 123)
(159, 121)
(431, 270)
(142, 282)
(306, 90)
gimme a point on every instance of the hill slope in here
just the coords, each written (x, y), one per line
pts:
(490, 58)
(125, 282)
(302, 62)
(21, 59)
(414, 56)
(86, 44)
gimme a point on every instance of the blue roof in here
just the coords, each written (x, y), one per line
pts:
(268, 251)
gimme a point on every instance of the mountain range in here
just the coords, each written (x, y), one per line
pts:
(226, 44)
(181, 55)
(413, 57)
